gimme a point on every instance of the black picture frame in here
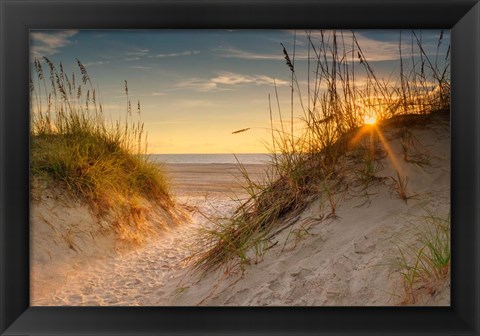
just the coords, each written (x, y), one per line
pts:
(18, 16)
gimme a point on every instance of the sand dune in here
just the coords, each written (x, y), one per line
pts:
(342, 261)
(349, 260)
(76, 259)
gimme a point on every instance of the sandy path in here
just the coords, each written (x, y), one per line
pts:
(150, 276)
(137, 278)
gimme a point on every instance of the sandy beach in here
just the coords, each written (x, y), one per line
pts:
(209, 178)
(145, 276)
(343, 260)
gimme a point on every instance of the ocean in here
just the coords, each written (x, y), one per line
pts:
(210, 158)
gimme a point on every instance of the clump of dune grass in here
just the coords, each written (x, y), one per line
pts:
(74, 148)
(336, 112)
(425, 264)
(400, 184)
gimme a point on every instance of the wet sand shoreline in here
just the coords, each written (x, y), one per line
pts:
(200, 179)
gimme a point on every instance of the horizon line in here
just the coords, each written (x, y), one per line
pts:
(258, 153)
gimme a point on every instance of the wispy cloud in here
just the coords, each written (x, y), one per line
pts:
(243, 54)
(226, 80)
(47, 43)
(254, 56)
(89, 64)
(197, 84)
(230, 78)
(138, 52)
(377, 49)
(176, 54)
(374, 49)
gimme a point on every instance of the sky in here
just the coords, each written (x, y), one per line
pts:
(196, 87)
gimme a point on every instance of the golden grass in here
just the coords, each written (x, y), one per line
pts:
(312, 164)
(75, 149)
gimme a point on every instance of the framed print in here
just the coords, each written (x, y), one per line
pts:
(232, 168)
(114, 222)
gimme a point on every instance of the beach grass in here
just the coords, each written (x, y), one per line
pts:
(424, 264)
(311, 163)
(76, 151)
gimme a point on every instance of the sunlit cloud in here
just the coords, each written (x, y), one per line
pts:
(226, 80)
(230, 78)
(197, 84)
(50, 43)
(206, 85)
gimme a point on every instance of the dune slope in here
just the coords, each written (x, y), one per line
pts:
(67, 238)
(348, 259)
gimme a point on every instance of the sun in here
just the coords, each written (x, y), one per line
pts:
(370, 120)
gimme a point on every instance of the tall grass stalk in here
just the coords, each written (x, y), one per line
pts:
(343, 92)
(74, 148)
